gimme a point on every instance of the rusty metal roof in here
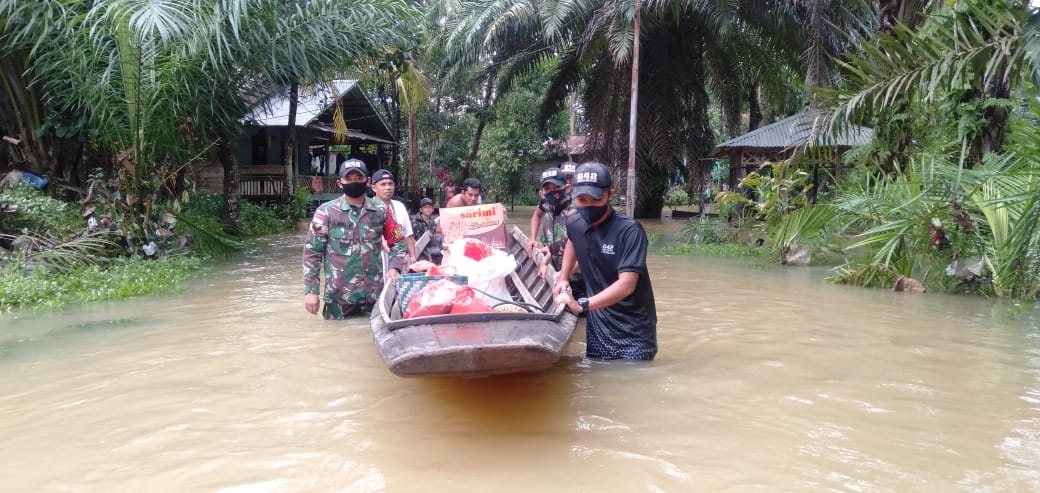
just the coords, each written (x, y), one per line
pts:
(794, 131)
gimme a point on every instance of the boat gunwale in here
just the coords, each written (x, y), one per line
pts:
(385, 301)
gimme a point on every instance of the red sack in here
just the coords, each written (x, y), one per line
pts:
(466, 301)
(435, 298)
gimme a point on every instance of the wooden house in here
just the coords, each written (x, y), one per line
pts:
(259, 152)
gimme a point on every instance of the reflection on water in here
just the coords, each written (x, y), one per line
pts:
(767, 379)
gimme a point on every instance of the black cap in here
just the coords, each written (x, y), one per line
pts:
(425, 201)
(552, 175)
(382, 174)
(353, 165)
(592, 179)
(567, 168)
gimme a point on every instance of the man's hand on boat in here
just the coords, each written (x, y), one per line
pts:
(564, 296)
(391, 275)
(543, 263)
(532, 245)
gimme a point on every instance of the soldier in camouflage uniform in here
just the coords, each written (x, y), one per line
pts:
(564, 172)
(424, 220)
(345, 239)
(556, 195)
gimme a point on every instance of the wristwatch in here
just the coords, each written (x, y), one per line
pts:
(584, 304)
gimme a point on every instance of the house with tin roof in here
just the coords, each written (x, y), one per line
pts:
(318, 151)
(778, 141)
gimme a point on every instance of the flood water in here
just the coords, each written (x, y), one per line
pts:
(767, 379)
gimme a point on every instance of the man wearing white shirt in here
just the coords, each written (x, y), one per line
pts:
(383, 185)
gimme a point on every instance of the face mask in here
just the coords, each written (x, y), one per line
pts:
(593, 213)
(354, 190)
(554, 198)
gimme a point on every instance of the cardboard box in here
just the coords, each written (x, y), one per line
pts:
(485, 222)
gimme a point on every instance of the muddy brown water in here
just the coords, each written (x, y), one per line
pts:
(768, 379)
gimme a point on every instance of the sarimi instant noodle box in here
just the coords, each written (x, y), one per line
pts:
(485, 222)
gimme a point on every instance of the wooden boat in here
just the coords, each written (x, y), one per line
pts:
(477, 344)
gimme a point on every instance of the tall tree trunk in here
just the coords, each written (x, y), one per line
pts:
(991, 136)
(22, 115)
(289, 153)
(754, 107)
(434, 138)
(413, 153)
(395, 158)
(226, 155)
(485, 113)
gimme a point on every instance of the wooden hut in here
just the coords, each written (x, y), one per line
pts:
(777, 141)
(260, 149)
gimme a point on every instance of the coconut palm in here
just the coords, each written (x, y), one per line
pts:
(684, 45)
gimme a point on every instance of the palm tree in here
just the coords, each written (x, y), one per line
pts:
(139, 70)
(982, 45)
(693, 53)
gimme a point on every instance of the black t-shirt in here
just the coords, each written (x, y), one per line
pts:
(627, 329)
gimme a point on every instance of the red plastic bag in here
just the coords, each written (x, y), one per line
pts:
(466, 301)
(442, 270)
(475, 249)
(435, 298)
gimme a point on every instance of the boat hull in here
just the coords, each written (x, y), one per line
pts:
(477, 344)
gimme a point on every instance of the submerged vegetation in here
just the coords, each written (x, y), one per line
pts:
(60, 253)
(41, 290)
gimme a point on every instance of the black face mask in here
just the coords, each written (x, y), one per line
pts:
(555, 198)
(593, 213)
(354, 190)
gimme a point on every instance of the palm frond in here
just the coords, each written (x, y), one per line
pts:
(209, 238)
(801, 225)
(65, 255)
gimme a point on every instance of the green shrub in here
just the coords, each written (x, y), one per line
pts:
(676, 197)
(203, 204)
(716, 250)
(257, 220)
(297, 210)
(704, 230)
(38, 212)
(653, 239)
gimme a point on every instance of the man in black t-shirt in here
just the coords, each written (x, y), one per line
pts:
(610, 248)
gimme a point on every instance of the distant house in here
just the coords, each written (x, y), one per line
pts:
(260, 149)
(777, 141)
(575, 149)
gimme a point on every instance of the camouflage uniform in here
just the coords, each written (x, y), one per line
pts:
(554, 230)
(554, 235)
(420, 226)
(346, 243)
